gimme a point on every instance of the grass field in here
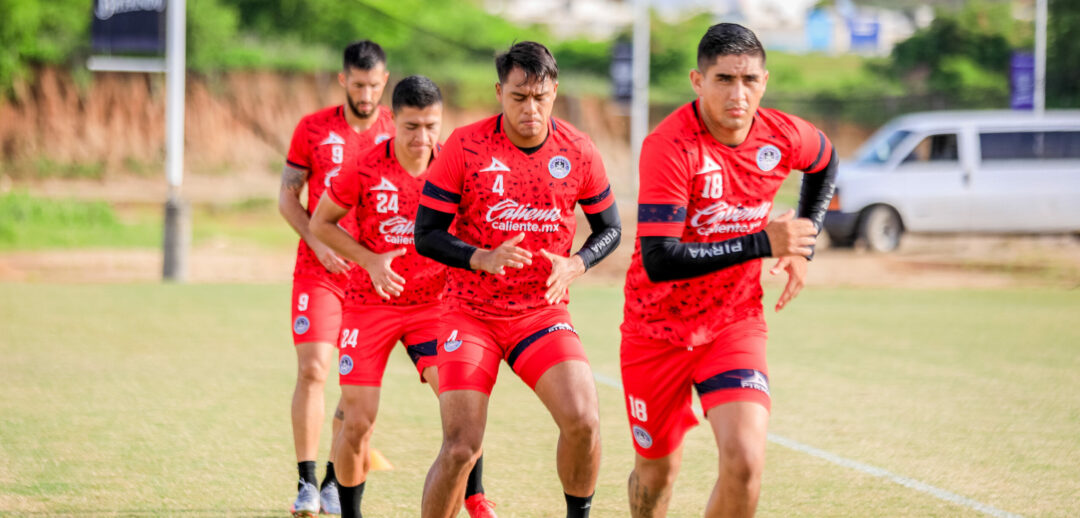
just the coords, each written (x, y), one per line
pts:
(173, 400)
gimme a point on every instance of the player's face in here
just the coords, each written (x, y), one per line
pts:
(417, 130)
(730, 90)
(526, 106)
(364, 88)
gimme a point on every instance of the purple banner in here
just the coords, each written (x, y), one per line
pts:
(1022, 81)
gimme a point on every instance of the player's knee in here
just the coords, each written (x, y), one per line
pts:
(741, 461)
(582, 425)
(461, 449)
(357, 428)
(312, 373)
(656, 474)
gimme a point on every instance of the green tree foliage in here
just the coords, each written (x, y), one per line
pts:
(1063, 54)
(34, 31)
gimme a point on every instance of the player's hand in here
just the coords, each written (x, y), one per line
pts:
(330, 260)
(796, 268)
(563, 271)
(507, 254)
(386, 281)
(790, 236)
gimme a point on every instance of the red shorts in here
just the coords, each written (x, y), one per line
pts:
(316, 310)
(471, 346)
(369, 333)
(657, 378)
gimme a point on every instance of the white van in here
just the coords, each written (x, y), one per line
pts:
(960, 171)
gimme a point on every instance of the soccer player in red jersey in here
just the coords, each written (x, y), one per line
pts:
(396, 298)
(509, 184)
(693, 314)
(321, 143)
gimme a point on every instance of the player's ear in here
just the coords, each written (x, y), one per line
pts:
(341, 79)
(696, 79)
(498, 91)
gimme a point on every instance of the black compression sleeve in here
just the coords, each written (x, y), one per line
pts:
(433, 239)
(605, 232)
(668, 259)
(816, 192)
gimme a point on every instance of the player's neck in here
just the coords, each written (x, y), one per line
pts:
(725, 136)
(412, 165)
(359, 124)
(524, 142)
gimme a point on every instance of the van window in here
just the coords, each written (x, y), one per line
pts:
(935, 148)
(1030, 145)
(880, 152)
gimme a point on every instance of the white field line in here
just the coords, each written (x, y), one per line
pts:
(864, 468)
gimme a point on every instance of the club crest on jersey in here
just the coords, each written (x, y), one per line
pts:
(452, 343)
(345, 365)
(710, 166)
(384, 185)
(496, 165)
(768, 156)
(559, 167)
(642, 438)
(333, 138)
(381, 137)
(301, 325)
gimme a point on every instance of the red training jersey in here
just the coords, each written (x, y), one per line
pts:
(699, 190)
(498, 191)
(383, 197)
(321, 143)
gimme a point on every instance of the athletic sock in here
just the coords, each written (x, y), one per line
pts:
(350, 500)
(578, 506)
(307, 471)
(330, 476)
(475, 483)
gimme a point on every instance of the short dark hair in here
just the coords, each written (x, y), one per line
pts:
(415, 92)
(532, 58)
(363, 55)
(726, 39)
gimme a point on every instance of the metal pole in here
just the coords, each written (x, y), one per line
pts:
(177, 227)
(639, 102)
(1040, 56)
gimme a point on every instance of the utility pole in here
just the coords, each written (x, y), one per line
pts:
(1040, 57)
(177, 216)
(639, 103)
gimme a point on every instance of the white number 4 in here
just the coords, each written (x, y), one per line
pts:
(637, 409)
(497, 188)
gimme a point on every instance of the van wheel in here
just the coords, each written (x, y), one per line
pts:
(880, 229)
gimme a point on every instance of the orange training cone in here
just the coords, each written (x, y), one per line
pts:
(378, 461)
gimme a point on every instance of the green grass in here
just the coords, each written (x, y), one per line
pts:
(165, 399)
(29, 222)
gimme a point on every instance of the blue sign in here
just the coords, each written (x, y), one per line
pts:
(1022, 81)
(864, 33)
(128, 27)
(622, 71)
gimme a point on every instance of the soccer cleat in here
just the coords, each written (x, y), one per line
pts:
(331, 501)
(479, 506)
(307, 501)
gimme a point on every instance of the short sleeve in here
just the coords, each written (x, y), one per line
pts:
(345, 187)
(595, 194)
(299, 155)
(442, 191)
(664, 187)
(810, 148)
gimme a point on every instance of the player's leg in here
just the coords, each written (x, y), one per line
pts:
(420, 343)
(316, 319)
(548, 356)
(733, 384)
(657, 380)
(464, 418)
(740, 429)
(368, 333)
(468, 364)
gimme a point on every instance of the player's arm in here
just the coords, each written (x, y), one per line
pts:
(666, 258)
(292, 184)
(605, 234)
(817, 191)
(434, 240)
